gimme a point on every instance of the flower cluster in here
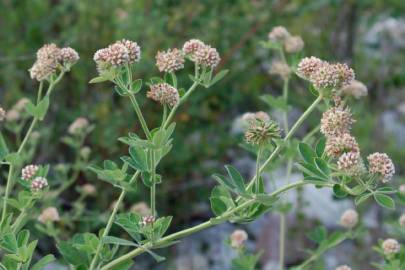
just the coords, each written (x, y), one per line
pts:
(164, 93)
(336, 121)
(170, 60)
(390, 246)
(349, 219)
(49, 58)
(118, 54)
(147, 220)
(262, 132)
(38, 184)
(337, 145)
(238, 239)
(78, 126)
(201, 53)
(325, 75)
(17, 111)
(49, 214)
(29, 172)
(382, 165)
(291, 44)
(280, 68)
(343, 267)
(2, 114)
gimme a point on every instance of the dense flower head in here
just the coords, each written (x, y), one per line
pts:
(43, 69)
(262, 132)
(141, 208)
(336, 121)
(164, 93)
(20, 104)
(49, 52)
(49, 214)
(29, 172)
(2, 114)
(207, 56)
(346, 74)
(147, 220)
(402, 189)
(337, 145)
(390, 246)
(349, 219)
(356, 89)
(170, 60)
(192, 46)
(89, 189)
(69, 56)
(280, 68)
(238, 238)
(351, 163)
(134, 51)
(308, 65)
(332, 75)
(252, 117)
(278, 34)
(78, 126)
(402, 220)
(39, 183)
(381, 164)
(117, 55)
(343, 267)
(293, 44)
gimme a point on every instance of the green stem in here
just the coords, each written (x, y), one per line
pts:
(110, 222)
(212, 222)
(140, 116)
(153, 187)
(259, 151)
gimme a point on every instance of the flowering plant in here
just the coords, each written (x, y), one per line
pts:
(332, 161)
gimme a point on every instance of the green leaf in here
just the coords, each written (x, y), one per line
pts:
(161, 225)
(339, 191)
(312, 171)
(237, 178)
(275, 102)
(318, 234)
(224, 181)
(384, 200)
(139, 159)
(335, 239)
(23, 237)
(218, 207)
(3, 147)
(136, 86)
(125, 265)
(306, 152)
(71, 254)
(219, 76)
(130, 223)
(362, 198)
(320, 147)
(99, 79)
(117, 241)
(322, 165)
(40, 265)
(266, 199)
(38, 111)
(9, 243)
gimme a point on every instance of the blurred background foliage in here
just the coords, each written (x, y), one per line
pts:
(337, 30)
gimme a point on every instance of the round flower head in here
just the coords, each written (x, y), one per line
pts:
(28, 172)
(390, 246)
(20, 104)
(356, 89)
(336, 121)
(141, 208)
(326, 76)
(402, 189)
(89, 189)
(147, 220)
(308, 65)
(278, 34)
(207, 56)
(39, 183)
(164, 93)
(43, 69)
(349, 219)
(346, 74)
(192, 46)
(117, 55)
(78, 126)
(49, 52)
(134, 51)
(293, 44)
(262, 132)
(69, 56)
(170, 60)
(280, 68)
(49, 214)
(238, 238)
(12, 115)
(343, 267)
(2, 114)
(381, 164)
(253, 117)
(100, 55)
(402, 220)
(337, 145)
(351, 164)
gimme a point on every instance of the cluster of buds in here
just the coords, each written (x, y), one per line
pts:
(164, 93)
(147, 220)
(349, 219)
(343, 267)
(49, 214)
(262, 132)
(2, 114)
(280, 68)
(390, 246)
(116, 55)
(201, 53)
(17, 110)
(324, 75)
(89, 189)
(78, 126)
(170, 60)
(382, 165)
(336, 121)
(38, 184)
(356, 89)
(338, 145)
(238, 239)
(281, 36)
(141, 208)
(49, 58)
(29, 172)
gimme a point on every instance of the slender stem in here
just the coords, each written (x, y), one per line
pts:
(259, 151)
(6, 194)
(140, 116)
(212, 222)
(153, 187)
(110, 222)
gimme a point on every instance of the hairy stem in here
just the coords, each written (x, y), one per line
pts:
(110, 222)
(140, 116)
